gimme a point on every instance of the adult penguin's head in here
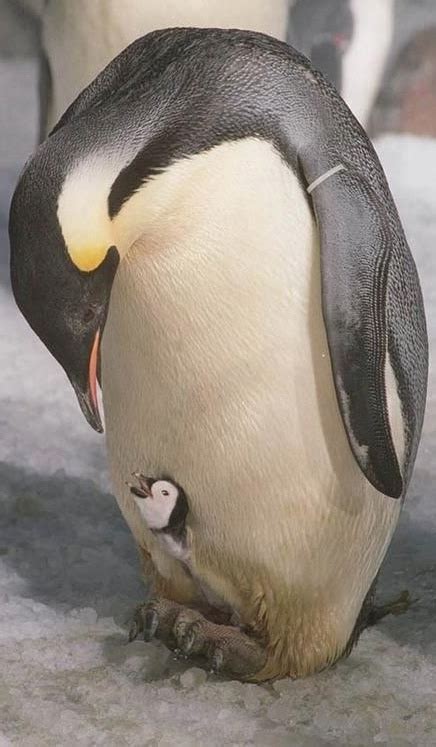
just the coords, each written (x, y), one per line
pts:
(63, 263)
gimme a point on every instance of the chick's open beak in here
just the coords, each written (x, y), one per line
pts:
(144, 491)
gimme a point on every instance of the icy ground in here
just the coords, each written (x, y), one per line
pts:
(69, 574)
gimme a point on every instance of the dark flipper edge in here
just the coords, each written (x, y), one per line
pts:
(355, 241)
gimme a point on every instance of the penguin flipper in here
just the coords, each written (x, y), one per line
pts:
(356, 240)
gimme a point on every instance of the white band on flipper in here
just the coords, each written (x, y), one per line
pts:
(327, 175)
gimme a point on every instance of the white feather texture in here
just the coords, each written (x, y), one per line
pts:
(216, 369)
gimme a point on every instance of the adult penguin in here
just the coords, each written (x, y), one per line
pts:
(365, 59)
(407, 102)
(213, 206)
(349, 41)
(323, 32)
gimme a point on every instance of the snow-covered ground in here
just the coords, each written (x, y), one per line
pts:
(69, 575)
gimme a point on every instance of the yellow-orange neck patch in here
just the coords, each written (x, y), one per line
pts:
(87, 258)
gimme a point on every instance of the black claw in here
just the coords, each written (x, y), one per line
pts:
(216, 661)
(151, 624)
(136, 624)
(188, 641)
(133, 631)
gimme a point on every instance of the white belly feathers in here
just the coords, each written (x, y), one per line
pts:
(216, 371)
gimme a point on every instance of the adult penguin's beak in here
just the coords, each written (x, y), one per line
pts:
(87, 395)
(62, 288)
(65, 306)
(85, 319)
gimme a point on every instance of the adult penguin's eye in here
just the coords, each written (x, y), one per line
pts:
(89, 314)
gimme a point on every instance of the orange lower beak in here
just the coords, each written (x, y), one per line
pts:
(92, 374)
(88, 400)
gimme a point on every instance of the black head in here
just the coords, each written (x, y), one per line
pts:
(65, 306)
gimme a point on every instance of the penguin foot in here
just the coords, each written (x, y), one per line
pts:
(220, 648)
(225, 648)
(156, 618)
(397, 606)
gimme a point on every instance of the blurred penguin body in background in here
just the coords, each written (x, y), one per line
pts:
(80, 38)
(349, 41)
(323, 32)
(365, 60)
(407, 102)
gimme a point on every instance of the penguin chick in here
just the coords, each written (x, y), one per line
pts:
(164, 507)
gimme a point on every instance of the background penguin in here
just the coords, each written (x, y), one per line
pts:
(407, 102)
(365, 59)
(349, 41)
(323, 32)
(210, 203)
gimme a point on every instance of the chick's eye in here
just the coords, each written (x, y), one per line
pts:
(165, 492)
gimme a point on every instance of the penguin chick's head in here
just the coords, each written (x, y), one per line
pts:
(162, 503)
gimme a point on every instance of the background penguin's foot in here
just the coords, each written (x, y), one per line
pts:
(221, 648)
(397, 606)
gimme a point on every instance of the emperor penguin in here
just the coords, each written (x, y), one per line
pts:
(208, 229)
(365, 59)
(323, 30)
(407, 103)
(349, 41)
